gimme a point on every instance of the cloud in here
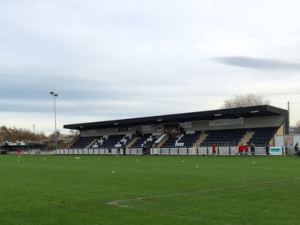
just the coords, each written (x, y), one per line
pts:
(124, 59)
(257, 63)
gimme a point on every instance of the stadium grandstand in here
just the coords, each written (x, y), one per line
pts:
(184, 134)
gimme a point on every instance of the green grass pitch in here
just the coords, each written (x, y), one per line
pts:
(156, 190)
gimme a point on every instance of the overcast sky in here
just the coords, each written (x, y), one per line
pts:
(130, 58)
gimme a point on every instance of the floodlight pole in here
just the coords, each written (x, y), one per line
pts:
(55, 95)
(288, 131)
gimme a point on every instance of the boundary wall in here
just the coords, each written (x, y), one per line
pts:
(279, 141)
(31, 152)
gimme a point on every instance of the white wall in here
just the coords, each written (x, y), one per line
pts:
(279, 139)
(108, 131)
(248, 123)
(112, 131)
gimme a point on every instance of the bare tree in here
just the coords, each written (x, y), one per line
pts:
(297, 130)
(244, 101)
(73, 133)
(14, 134)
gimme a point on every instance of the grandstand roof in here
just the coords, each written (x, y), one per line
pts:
(253, 111)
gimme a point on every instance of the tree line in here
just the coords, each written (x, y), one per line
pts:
(13, 134)
(250, 100)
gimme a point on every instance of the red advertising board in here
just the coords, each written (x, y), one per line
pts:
(288, 140)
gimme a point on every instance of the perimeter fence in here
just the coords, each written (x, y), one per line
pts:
(222, 151)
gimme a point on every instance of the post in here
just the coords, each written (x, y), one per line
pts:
(54, 95)
(55, 123)
(288, 131)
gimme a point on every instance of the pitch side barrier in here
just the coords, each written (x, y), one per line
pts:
(102, 151)
(222, 151)
(32, 152)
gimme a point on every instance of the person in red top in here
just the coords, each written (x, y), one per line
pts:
(19, 152)
(214, 149)
(241, 150)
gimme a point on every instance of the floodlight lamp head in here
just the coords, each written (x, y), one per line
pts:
(55, 95)
(51, 93)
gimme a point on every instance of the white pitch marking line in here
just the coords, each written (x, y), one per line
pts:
(163, 213)
(118, 203)
(208, 190)
(178, 216)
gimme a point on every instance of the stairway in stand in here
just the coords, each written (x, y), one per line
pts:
(73, 142)
(246, 138)
(200, 140)
(132, 142)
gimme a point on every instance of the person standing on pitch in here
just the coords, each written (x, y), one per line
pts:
(252, 147)
(19, 152)
(297, 152)
(296, 147)
(267, 149)
(214, 149)
(246, 149)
